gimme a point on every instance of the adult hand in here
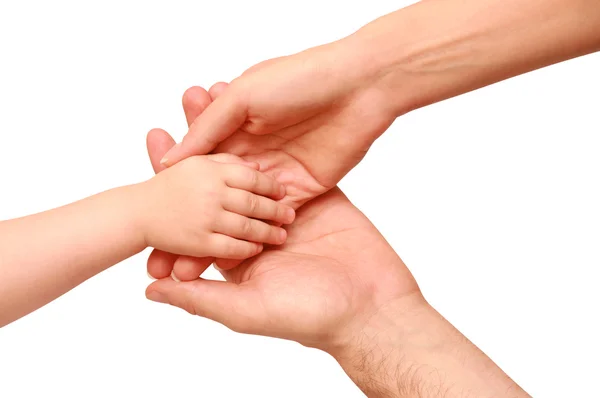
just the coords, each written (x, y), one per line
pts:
(307, 118)
(337, 285)
(323, 107)
(307, 162)
(320, 288)
(318, 249)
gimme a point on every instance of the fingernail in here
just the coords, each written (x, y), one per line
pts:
(157, 297)
(165, 159)
(174, 277)
(291, 214)
(150, 276)
(282, 235)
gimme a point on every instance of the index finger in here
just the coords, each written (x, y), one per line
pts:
(221, 119)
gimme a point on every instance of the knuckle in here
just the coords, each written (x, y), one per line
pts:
(247, 227)
(253, 203)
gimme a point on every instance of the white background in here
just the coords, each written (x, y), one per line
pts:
(492, 200)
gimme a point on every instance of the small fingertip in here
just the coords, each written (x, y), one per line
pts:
(253, 165)
(174, 277)
(290, 215)
(282, 235)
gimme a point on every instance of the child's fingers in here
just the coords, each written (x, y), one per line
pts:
(253, 181)
(255, 206)
(245, 228)
(232, 159)
(224, 246)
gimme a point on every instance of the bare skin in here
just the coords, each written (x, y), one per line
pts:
(337, 285)
(43, 256)
(308, 119)
(323, 107)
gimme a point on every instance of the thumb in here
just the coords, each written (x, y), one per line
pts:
(238, 307)
(221, 119)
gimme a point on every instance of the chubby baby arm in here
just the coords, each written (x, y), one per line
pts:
(214, 206)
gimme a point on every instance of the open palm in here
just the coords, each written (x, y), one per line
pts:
(334, 266)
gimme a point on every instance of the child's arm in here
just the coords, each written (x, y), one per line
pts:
(47, 254)
(188, 209)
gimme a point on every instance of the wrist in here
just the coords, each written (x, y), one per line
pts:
(376, 354)
(409, 349)
(380, 50)
(137, 208)
(434, 50)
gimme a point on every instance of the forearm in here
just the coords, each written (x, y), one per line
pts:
(407, 353)
(437, 49)
(42, 256)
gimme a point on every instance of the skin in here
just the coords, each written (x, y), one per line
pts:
(310, 117)
(324, 288)
(43, 256)
(307, 119)
(339, 97)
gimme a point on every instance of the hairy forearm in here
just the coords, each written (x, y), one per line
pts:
(416, 352)
(42, 256)
(437, 49)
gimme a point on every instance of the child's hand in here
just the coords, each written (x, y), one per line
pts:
(204, 207)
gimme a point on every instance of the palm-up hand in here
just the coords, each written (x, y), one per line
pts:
(320, 288)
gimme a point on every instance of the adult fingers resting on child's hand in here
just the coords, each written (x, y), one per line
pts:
(209, 206)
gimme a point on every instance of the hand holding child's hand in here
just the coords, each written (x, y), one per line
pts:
(210, 206)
